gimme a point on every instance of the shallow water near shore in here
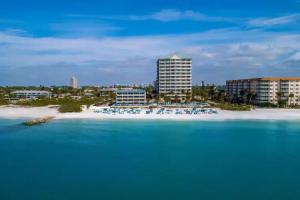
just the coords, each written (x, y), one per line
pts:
(88, 159)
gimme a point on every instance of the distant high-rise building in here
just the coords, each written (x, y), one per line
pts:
(74, 82)
(174, 76)
(202, 84)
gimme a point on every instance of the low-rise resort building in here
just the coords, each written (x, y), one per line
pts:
(266, 90)
(31, 94)
(131, 97)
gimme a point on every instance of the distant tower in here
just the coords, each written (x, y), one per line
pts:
(74, 82)
(202, 84)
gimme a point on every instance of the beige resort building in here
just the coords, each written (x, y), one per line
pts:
(267, 90)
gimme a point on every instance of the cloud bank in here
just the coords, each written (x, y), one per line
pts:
(217, 55)
(176, 15)
(265, 22)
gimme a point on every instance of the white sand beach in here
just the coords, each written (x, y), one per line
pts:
(9, 112)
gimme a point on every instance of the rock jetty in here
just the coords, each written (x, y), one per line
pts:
(38, 121)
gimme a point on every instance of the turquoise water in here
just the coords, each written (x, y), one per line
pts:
(150, 160)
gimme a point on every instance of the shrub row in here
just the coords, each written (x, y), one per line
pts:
(234, 107)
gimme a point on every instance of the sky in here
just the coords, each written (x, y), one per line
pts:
(118, 41)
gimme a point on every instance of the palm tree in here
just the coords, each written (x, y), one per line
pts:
(204, 94)
(150, 90)
(281, 103)
(171, 95)
(229, 98)
(243, 93)
(250, 96)
(212, 92)
(291, 96)
(167, 98)
(161, 97)
(279, 95)
(221, 96)
(188, 96)
(112, 96)
(176, 99)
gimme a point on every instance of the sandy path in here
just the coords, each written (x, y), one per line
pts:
(35, 112)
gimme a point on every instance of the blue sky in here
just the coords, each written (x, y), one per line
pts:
(110, 42)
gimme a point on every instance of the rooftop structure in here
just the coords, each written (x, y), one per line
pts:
(105, 91)
(174, 56)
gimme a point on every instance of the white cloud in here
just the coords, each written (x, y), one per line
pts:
(217, 55)
(170, 15)
(295, 56)
(83, 29)
(166, 15)
(261, 22)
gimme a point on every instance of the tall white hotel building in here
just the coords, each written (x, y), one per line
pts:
(174, 76)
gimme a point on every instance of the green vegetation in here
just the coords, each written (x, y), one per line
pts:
(65, 101)
(3, 102)
(150, 91)
(71, 99)
(282, 103)
(66, 104)
(206, 93)
(268, 105)
(233, 107)
(70, 108)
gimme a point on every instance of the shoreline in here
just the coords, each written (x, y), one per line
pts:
(15, 112)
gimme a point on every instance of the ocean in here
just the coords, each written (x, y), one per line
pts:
(112, 160)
